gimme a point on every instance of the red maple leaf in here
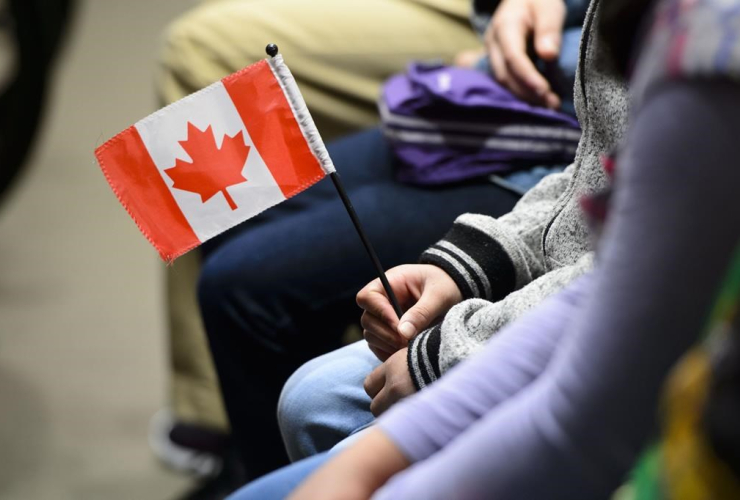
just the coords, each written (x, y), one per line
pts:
(212, 170)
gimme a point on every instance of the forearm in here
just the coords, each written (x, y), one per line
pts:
(356, 472)
(509, 363)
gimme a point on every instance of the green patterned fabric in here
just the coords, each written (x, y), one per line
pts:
(683, 464)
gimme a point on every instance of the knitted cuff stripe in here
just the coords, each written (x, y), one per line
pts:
(423, 357)
(478, 264)
(467, 280)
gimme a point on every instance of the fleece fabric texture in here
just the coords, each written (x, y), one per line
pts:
(538, 248)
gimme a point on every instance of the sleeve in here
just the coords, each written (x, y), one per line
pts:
(489, 258)
(512, 360)
(469, 325)
(578, 427)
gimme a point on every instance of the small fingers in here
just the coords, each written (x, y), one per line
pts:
(548, 29)
(498, 67)
(380, 403)
(505, 78)
(524, 79)
(376, 344)
(374, 328)
(552, 101)
(380, 354)
(375, 381)
(373, 299)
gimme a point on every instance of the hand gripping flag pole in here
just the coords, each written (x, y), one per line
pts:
(272, 51)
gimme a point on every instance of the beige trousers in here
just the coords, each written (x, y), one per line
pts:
(340, 52)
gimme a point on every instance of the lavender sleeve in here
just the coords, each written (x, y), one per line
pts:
(559, 404)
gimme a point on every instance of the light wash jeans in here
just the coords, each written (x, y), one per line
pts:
(280, 483)
(324, 401)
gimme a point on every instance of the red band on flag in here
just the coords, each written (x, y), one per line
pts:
(140, 188)
(257, 93)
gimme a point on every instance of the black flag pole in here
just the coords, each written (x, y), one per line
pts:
(366, 241)
(272, 51)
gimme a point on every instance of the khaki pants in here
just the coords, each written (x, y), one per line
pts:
(340, 52)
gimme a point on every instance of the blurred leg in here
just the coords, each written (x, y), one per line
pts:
(340, 51)
(282, 482)
(195, 395)
(324, 401)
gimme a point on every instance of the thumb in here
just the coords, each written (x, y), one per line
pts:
(420, 316)
(548, 30)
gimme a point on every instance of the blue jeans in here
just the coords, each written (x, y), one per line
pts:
(324, 401)
(280, 289)
(282, 482)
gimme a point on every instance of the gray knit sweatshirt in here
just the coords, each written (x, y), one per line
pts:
(506, 266)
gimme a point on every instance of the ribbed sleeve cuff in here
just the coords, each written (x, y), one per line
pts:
(423, 357)
(477, 263)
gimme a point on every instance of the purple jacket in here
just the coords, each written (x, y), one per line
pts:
(448, 124)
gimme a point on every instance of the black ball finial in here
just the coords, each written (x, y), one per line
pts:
(272, 50)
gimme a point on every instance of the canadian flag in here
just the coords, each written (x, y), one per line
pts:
(214, 159)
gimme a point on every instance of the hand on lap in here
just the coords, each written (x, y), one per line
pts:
(389, 383)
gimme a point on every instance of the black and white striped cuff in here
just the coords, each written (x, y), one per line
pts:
(423, 357)
(478, 263)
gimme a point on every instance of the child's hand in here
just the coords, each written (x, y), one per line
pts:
(425, 291)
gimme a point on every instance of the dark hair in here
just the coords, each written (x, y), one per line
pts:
(619, 25)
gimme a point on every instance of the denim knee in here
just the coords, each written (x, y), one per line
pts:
(296, 410)
(324, 401)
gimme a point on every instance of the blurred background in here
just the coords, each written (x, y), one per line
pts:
(82, 327)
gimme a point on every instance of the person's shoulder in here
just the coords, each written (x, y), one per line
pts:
(687, 39)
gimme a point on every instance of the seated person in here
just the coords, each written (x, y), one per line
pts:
(515, 261)
(340, 53)
(281, 289)
(560, 403)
